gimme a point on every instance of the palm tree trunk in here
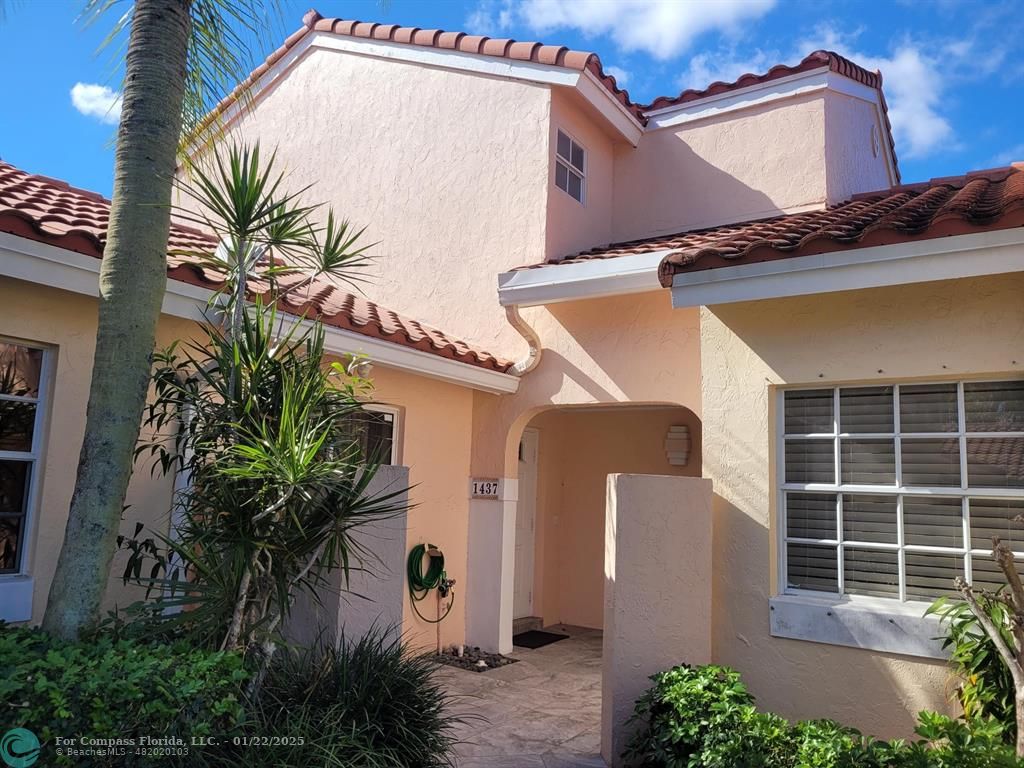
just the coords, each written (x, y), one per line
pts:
(133, 278)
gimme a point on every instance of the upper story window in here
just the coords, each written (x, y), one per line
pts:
(21, 406)
(570, 167)
(893, 491)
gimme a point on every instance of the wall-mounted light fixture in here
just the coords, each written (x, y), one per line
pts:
(677, 446)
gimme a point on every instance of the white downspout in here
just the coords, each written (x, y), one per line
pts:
(532, 360)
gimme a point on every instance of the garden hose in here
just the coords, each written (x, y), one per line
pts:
(421, 584)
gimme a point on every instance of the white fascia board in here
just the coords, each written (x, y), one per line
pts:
(44, 264)
(788, 87)
(586, 279)
(944, 258)
(610, 108)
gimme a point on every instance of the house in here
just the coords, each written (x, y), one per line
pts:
(732, 284)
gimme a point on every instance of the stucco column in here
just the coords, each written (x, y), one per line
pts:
(657, 594)
(376, 590)
(489, 569)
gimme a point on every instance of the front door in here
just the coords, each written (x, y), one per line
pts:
(526, 515)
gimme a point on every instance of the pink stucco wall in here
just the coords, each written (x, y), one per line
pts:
(739, 165)
(572, 226)
(447, 171)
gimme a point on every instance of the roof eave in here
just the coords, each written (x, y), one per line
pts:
(45, 264)
(988, 252)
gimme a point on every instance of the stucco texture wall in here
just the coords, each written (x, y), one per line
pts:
(856, 145)
(620, 349)
(573, 226)
(938, 330)
(578, 449)
(742, 165)
(66, 324)
(448, 172)
(436, 428)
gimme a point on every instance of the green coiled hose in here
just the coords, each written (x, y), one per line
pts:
(421, 584)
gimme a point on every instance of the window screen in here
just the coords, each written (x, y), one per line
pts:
(893, 491)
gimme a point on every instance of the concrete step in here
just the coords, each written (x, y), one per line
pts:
(526, 623)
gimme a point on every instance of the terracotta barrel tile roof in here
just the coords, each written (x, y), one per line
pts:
(53, 212)
(553, 55)
(982, 200)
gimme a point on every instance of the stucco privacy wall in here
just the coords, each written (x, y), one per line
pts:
(66, 324)
(436, 425)
(447, 171)
(658, 597)
(573, 226)
(578, 449)
(856, 144)
(939, 330)
(740, 165)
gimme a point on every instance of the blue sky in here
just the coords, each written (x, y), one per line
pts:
(954, 70)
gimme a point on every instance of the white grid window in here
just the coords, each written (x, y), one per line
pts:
(570, 167)
(22, 374)
(893, 491)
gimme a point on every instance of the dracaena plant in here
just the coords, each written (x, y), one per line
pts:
(257, 426)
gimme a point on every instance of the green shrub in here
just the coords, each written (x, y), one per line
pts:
(704, 717)
(108, 688)
(368, 703)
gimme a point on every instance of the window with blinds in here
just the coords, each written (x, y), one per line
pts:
(893, 491)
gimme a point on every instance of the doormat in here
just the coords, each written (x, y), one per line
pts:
(536, 638)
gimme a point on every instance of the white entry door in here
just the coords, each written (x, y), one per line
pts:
(526, 515)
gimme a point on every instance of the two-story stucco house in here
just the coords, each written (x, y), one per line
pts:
(730, 284)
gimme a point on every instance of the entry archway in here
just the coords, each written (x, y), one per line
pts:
(567, 453)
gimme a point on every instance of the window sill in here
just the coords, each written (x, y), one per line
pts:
(16, 598)
(873, 625)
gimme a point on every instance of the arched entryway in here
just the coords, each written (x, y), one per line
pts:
(565, 455)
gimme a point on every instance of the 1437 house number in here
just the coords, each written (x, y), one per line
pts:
(484, 488)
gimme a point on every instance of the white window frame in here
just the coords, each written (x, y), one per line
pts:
(16, 588)
(570, 166)
(894, 624)
(396, 428)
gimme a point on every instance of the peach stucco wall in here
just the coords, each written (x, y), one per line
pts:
(620, 349)
(66, 324)
(436, 428)
(932, 330)
(740, 165)
(574, 226)
(856, 146)
(447, 171)
(578, 449)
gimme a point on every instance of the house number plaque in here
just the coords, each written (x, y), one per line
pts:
(484, 488)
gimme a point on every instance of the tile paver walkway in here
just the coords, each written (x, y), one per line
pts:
(542, 712)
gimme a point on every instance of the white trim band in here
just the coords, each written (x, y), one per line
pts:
(45, 264)
(943, 258)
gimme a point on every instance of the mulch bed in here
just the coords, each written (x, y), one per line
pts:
(471, 658)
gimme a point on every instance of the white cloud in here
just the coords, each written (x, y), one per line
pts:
(707, 68)
(621, 76)
(662, 28)
(99, 101)
(490, 17)
(915, 84)
(1014, 154)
